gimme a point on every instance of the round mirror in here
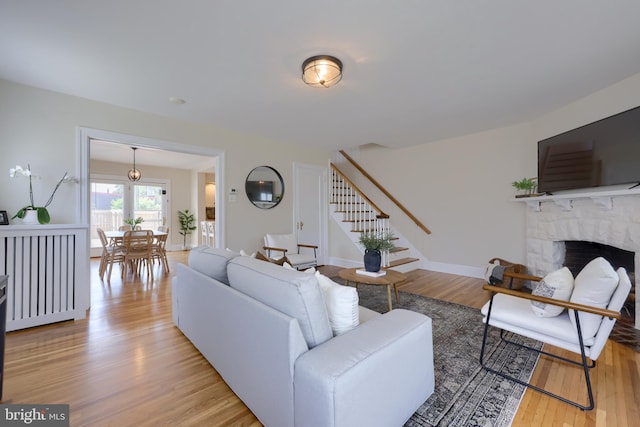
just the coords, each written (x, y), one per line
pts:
(264, 187)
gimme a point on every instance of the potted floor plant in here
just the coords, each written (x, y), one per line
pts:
(186, 221)
(374, 244)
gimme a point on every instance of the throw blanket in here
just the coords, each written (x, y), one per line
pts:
(494, 273)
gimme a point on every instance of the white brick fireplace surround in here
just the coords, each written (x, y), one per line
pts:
(607, 217)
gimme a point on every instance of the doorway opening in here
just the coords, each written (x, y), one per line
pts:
(152, 196)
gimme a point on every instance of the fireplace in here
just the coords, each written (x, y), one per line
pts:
(579, 253)
(612, 223)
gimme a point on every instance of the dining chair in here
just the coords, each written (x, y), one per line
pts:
(107, 252)
(158, 250)
(137, 248)
(125, 227)
(204, 232)
(211, 233)
(112, 253)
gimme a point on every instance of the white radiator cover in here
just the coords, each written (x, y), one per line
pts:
(48, 269)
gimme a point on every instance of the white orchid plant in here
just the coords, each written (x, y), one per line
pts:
(42, 212)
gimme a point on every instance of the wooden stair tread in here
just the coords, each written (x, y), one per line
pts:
(351, 211)
(398, 249)
(401, 261)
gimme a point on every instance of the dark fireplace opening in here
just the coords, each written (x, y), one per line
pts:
(579, 253)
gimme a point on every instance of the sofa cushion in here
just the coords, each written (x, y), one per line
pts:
(557, 285)
(211, 262)
(593, 286)
(342, 304)
(292, 292)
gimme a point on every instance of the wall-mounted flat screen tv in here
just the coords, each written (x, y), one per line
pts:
(259, 191)
(606, 152)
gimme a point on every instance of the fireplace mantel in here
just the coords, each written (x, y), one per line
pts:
(601, 197)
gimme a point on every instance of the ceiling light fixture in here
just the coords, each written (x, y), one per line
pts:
(322, 71)
(134, 174)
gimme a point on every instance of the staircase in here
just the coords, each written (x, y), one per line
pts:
(355, 213)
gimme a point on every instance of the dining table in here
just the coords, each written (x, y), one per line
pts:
(117, 235)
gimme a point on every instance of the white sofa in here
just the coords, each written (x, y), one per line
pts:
(265, 329)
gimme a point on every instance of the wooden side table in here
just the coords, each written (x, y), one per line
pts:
(391, 278)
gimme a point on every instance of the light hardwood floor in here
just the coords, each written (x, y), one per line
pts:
(127, 365)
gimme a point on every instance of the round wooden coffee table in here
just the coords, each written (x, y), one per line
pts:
(391, 278)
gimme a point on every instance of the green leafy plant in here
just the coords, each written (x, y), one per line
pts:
(42, 212)
(380, 241)
(134, 221)
(526, 184)
(187, 221)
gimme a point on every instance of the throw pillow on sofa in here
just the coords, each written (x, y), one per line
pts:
(342, 305)
(557, 285)
(593, 286)
(341, 302)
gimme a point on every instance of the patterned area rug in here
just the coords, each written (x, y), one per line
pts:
(465, 394)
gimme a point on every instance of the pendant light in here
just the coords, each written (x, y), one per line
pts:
(134, 174)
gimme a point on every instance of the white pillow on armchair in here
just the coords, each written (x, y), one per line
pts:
(557, 285)
(594, 286)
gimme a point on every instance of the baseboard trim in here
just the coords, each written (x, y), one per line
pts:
(457, 269)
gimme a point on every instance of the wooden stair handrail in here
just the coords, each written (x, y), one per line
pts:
(381, 214)
(386, 193)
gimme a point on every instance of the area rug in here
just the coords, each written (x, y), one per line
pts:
(465, 394)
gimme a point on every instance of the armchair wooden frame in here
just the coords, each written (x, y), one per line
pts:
(584, 363)
(284, 251)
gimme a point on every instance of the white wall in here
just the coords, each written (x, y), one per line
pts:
(460, 188)
(39, 127)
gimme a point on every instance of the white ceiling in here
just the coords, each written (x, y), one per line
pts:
(414, 70)
(145, 156)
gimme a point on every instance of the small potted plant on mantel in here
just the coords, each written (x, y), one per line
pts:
(526, 186)
(374, 244)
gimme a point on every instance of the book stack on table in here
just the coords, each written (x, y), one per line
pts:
(371, 273)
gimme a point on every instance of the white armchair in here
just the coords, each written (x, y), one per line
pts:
(588, 312)
(286, 245)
